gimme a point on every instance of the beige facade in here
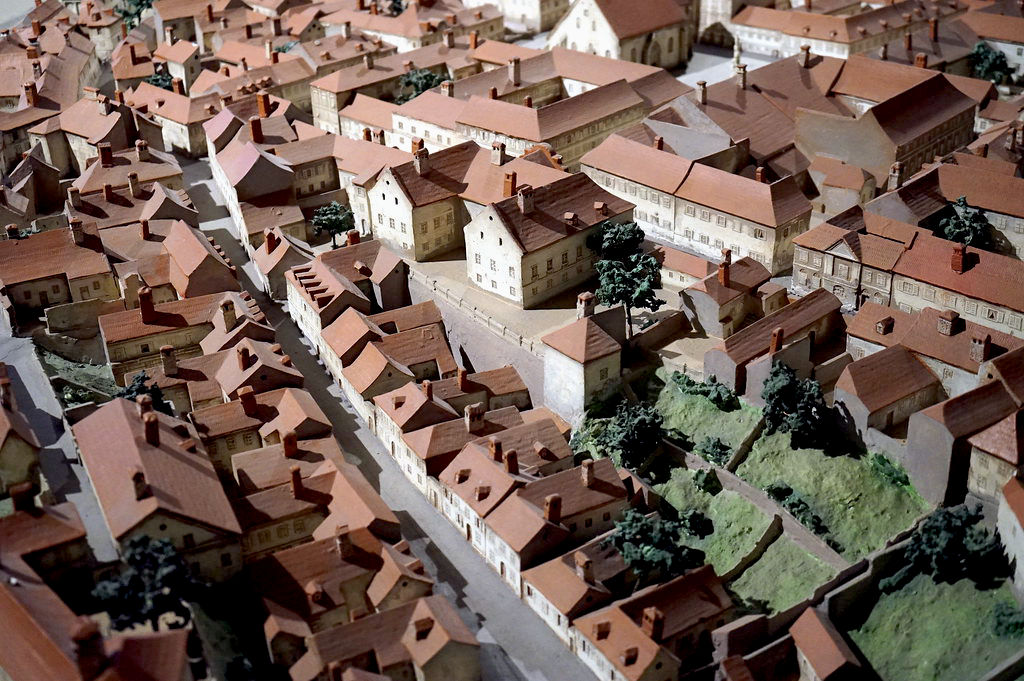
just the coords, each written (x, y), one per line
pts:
(419, 232)
(132, 355)
(988, 474)
(19, 462)
(213, 555)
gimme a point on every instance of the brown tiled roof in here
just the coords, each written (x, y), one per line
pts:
(409, 408)
(523, 527)
(390, 67)
(368, 367)
(408, 317)
(155, 202)
(745, 276)
(398, 570)
(356, 503)
(277, 410)
(172, 106)
(501, 381)
(1003, 439)
(627, 21)
(995, 26)
(821, 643)
(545, 414)
(559, 581)
(179, 52)
(373, 111)
(583, 340)
(438, 443)
(545, 224)
(754, 340)
(480, 481)
(868, 249)
(864, 324)
(577, 498)
(884, 377)
(181, 479)
(773, 204)
(197, 266)
(176, 314)
(266, 467)
(923, 337)
(972, 411)
(160, 166)
(349, 334)
(51, 254)
(422, 344)
(277, 503)
(837, 173)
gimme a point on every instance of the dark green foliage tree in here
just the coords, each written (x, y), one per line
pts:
(650, 547)
(797, 506)
(888, 470)
(967, 226)
(989, 64)
(160, 79)
(334, 219)
(635, 432)
(418, 81)
(154, 581)
(131, 11)
(796, 406)
(713, 450)
(949, 545)
(706, 480)
(696, 524)
(718, 394)
(395, 7)
(626, 275)
(286, 46)
(138, 387)
(1008, 620)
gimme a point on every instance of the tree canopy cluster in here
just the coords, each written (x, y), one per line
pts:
(651, 549)
(626, 275)
(416, 82)
(334, 219)
(717, 393)
(967, 226)
(138, 387)
(634, 432)
(988, 64)
(797, 406)
(160, 79)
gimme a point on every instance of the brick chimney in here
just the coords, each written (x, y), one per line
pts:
(247, 397)
(23, 496)
(933, 29)
(921, 60)
(883, 51)
(447, 88)
(421, 161)
(895, 176)
(295, 473)
(151, 428)
(494, 448)
(263, 103)
(498, 156)
(37, 28)
(981, 150)
(346, 549)
(553, 508)
(270, 239)
(209, 13)
(169, 35)
(143, 405)
(37, 71)
(346, 30)
(227, 312)
(702, 92)
(90, 656)
(108, 192)
(474, 40)
(805, 56)
(290, 444)
(351, 237)
(981, 348)
(528, 102)
(585, 304)
(142, 150)
(428, 390)
(524, 196)
(512, 462)
(587, 473)
(778, 337)
(256, 129)
(474, 417)
(492, 93)
(514, 70)
(243, 357)
(75, 197)
(958, 262)
(368, 61)
(584, 567)
(723, 268)
(106, 154)
(367, 135)
(659, 142)
(741, 76)
(144, 229)
(168, 361)
(177, 86)
(449, 39)
(146, 307)
(653, 623)
(133, 184)
(908, 41)
(947, 322)
(77, 231)
(759, 174)
(509, 186)
(242, 62)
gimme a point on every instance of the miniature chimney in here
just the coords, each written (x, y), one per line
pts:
(133, 184)
(142, 150)
(106, 154)
(474, 40)
(463, 380)
(223, 22)
(225, 71)
(659, 142)
(243, 357)
(367, 135)
(421, 161)
(77, 231)
(630, 654)
(242, 62)
(805, 56)
(514, 70)
(146, 308)
(498, 153)
(474, 417)
(895, 176)
(741, 76)
(584, 567)
(108, 192)
(492, 93)
(653, 623)
(981, 150)
(958, 262)
(947, 322)
(908, 41)
(23, 496)
(256, 129)
(509, 187)
(169, 35)
(528, 102)
(296, 481)
(248, 31)
(933, 29)
(723, 268)
(368, 61)
(378, 136)
(601, 208)
(775, 344)
(351, 237)
(12, 232)
(32, 52)
(37, 69)
(981, 348)
(247, 397)
(344, 541)
(428, 390)
(883, 51)
(270, 238)
(209, 13)
(448, 88)
(553, 508)
(884, 326)
(90, 656)
(702, 92)
(168, 361)
(263, 103)
(759, 174)
(921, 60)
(587, 473)
(494, 447)
(525, 199)
(143, 405)
(346, 30)
(275, 25)
(177, 87)
(144, 229)
(151, 428)
(449, 39)
(290, 444)
(571, 218)
(585, 304)
(37, 28)
(227, 311)
(512, 462)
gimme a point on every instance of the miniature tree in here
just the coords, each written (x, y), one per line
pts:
(626, 275)
(1008, 620)
(419, 81)
(334, 219)
(967, 226)
(395, 7)
(160, 79)
(139, 386)
(154, 581)
(635, 432)
(717, 393)
(989, 64)
(714, 451)
(796, 406)
(287, 46)
(650, 547)
(131, 11)
(950, 545)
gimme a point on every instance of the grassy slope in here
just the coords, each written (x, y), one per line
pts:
(698, 418)
(784, 576)
(860, 508)
(935, 632)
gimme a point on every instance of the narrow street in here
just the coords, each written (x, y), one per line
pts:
(515, 644)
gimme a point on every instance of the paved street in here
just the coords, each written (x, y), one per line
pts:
(515, 644)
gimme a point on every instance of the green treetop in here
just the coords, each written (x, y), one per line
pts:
(417, 80)
(139, 386)
(989, 64)
(650, 547)
(635, 432)
(626, 275)
(334, 219)
(967, 226)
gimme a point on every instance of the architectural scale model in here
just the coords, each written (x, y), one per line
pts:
(512, 340)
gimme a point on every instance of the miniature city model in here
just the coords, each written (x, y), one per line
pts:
(508, 340)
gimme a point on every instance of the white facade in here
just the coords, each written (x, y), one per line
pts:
(569, 386)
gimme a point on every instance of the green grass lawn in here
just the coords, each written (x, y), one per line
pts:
(935, 632)
(784, 576)
(96, 377)
(860, 508)
(697, 418)
(738, 523)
